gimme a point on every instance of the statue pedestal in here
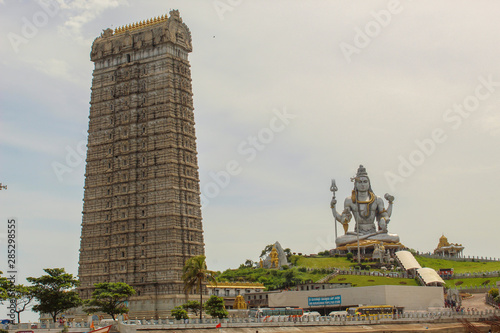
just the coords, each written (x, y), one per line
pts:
(366, 247)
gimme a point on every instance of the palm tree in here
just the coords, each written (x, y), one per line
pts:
(195, 272)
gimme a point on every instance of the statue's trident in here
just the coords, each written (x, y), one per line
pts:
(334, 189)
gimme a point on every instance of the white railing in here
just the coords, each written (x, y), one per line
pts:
(444, 315)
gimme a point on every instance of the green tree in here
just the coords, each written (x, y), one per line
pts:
(54, 292)
(288, 253)
(349, 256)
(266, 250)
(179, 313)
(215, 307)
(192, 306)
(109, 297)
(248, 263)
(195, 273)
(493, 292)
(5, 287)
(21, 297)
(291, 278)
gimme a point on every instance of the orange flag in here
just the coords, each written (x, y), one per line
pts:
(92, 325)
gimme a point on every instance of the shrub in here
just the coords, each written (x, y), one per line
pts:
(178, 312)
(349, 256)
(493, 292)
(458, 283)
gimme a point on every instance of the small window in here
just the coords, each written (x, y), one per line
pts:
(123, 254)
(128, 57)
(143, 226)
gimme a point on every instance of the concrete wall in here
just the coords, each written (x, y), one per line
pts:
(412, 298)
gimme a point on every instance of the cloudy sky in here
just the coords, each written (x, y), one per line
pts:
(288, 95)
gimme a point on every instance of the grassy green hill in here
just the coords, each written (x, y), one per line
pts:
(471, 282)
(312, 269)
(363, 281)
(458, 266)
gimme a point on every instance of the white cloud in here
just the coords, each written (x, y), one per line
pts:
(55, 68)
(82, 12)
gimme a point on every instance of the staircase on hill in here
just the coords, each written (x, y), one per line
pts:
(328, 277)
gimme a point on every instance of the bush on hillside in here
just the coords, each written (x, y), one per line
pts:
(493, 292)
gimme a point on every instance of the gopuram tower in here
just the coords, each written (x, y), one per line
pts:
(141, 210)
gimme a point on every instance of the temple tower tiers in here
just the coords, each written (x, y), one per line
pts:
(141, 211)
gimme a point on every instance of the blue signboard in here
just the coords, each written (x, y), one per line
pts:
(325, 300)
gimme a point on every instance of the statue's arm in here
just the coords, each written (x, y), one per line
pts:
(390, 199)
(336, 215)
(382, 212)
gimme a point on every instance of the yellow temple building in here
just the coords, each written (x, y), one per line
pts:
(447, 249)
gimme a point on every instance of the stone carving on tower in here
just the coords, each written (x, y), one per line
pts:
(141, 211)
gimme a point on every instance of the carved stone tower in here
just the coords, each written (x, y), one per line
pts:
(141, 211)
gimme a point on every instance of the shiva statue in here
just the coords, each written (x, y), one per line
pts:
(366, 208)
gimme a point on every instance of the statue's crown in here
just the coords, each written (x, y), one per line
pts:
(361, 173)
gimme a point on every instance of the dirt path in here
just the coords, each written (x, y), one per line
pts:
(476, 302)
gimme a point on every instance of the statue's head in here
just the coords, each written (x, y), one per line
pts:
(361, 181)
